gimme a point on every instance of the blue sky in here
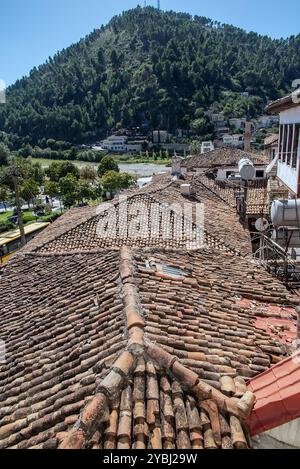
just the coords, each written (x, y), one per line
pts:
(33, 30)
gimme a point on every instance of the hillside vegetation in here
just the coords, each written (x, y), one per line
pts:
(152, 68)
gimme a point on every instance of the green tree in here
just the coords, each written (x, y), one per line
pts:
(58, 170)
(88, 173)
(107, 164)
(4, 154)
(4, 195)
(195, 147)
(29, 191)
(111, 181)
(26, 151)
(13, 176)
(85, 192)
(52, 190)
(69, 189)
(36, 172)
(127, 180)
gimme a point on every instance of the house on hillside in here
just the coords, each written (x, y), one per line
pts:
(267, 121)
(207, 146)
(235, 140)
(237, 123)
(123, 144)
(115, 143)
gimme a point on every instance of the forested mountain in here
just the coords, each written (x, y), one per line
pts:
(149, 67)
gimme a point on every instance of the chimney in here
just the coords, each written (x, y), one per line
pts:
(247, 136)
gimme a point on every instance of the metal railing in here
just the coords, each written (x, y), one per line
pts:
(277, 260)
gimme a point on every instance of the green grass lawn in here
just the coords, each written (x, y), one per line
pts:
(28, 219)
(4, 216)
(45, 163)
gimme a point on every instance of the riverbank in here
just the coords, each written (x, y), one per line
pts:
(45, 162)
(138, 168)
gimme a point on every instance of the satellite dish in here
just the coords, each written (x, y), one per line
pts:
(262, 224)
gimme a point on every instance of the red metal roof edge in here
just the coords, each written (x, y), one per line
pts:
(277, 391)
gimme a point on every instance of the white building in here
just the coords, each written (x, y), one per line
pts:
(217, 117)
(233, 140)
(115, 143)
(134, 147)
(160, 136)
(121, 144)
(206, 147)
(237, 123)
(268, 121)
(289, 142)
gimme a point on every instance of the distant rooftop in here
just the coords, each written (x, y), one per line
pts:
(284, 103)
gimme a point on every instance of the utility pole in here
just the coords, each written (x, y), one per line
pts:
(158, 4)
(19, 210)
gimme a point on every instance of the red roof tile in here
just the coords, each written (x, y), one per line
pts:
(278, 396)
(78, 319)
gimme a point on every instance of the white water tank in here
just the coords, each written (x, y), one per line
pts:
(286, 212)
(246, 169)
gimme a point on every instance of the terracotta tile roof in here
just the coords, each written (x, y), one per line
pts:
(257, 197)
(271, 139)
(143, 347)
(83, 235)
(279, 321)
(68, 221)
(284, 103)
(223, 157)
(77, 232)
(220, 189)
(221, 218)
(223, 228)
(278, 396)
(62, 321)
(257, 201)
(91, 339)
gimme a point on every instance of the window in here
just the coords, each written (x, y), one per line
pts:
(260, 174)
(289, 144)
(284, 142)
(171, 271)
(281, 131)
(296, 145)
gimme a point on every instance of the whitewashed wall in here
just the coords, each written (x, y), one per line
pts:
(288, 175)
